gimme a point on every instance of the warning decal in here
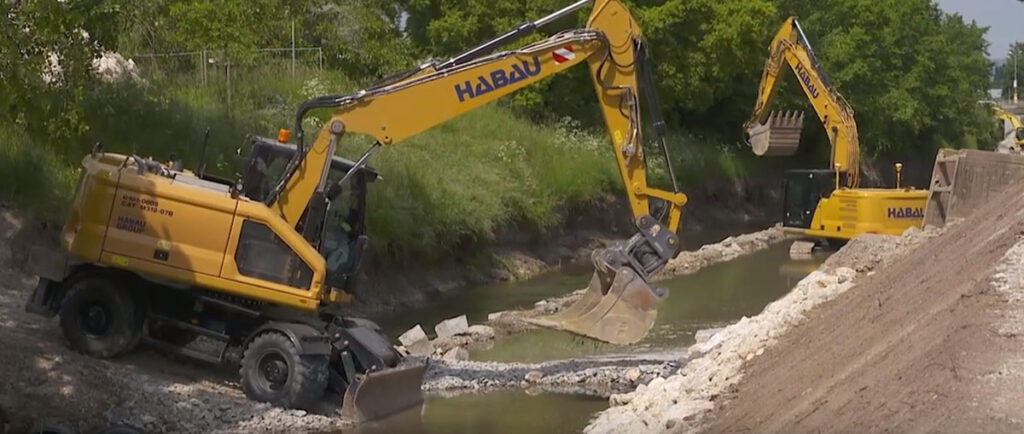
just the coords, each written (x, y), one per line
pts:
(563, 54)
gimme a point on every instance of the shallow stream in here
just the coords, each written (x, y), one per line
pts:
(714, 296)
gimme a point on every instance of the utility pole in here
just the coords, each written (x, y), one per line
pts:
(1015, 95)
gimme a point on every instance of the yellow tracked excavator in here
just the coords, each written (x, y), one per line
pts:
(1012, 130)
(824, 204)
(259, 266)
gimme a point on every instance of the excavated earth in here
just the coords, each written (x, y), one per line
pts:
(920, 333)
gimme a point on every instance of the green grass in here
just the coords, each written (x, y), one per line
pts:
(465, 179)
(31, 176)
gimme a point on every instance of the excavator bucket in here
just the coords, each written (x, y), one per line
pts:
(618, 307)
(382, 393)
(779, 136)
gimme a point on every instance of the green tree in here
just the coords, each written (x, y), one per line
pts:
(360, 37)
(45, 71)
(238, 27)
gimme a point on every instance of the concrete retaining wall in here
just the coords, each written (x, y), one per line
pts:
(964, 179)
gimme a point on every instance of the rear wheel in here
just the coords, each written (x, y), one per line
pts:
(273, 371)
(101, 319)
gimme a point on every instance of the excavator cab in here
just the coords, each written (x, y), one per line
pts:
(342, 238)
(803, 189)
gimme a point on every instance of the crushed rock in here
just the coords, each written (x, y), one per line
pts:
(678, 402)
(599, 376)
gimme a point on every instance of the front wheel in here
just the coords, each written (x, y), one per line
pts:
(273, 371)
(100, 318)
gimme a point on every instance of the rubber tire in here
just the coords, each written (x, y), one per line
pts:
(127, 317)
(307, 375)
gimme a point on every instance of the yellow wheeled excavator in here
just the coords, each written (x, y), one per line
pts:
(260, 266)
(1012, 130)
(824, 204)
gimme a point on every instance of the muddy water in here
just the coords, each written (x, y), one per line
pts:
(499, 412)
(476, 302)
(712, 297)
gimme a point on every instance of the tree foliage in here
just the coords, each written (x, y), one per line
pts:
(1003, 77)
(45, 68)
(912, 73)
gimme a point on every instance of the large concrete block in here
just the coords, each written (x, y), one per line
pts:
(451, 327)
(416, 342)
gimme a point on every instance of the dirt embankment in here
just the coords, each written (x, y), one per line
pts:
(931, 343)
(915, 333)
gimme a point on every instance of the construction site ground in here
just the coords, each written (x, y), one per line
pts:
(932, 343)
(920, 333)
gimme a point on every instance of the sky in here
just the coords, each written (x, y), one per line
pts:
(1005, 19)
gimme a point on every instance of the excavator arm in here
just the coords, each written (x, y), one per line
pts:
(620, 306)
(779, 133)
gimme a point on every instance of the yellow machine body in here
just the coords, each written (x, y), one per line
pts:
(847, 213)
(184, 231)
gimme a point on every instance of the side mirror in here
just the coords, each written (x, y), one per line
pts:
(1020, 133)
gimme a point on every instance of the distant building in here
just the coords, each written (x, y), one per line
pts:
(995, 93)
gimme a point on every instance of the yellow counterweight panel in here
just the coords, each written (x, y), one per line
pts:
(851, 212)
(170, 223)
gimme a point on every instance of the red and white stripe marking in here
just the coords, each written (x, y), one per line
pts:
(563, 54)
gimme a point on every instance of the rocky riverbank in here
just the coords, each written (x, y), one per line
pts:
(680, 400)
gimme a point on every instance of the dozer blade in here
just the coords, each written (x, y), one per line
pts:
(621, 312)
(779, 136)
(383, 393)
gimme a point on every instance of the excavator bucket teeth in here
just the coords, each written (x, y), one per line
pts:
(383, 393)
(779, 136)
(621, 312)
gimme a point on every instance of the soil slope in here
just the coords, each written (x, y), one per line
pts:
(929, 343)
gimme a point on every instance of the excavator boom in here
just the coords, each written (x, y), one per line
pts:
(778, 134)
(412, 102)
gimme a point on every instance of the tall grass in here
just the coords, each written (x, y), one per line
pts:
(32, 177)
(466, 178)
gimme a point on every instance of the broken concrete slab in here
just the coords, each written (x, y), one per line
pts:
(416, 342)
(452, 326)
(412, 336)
